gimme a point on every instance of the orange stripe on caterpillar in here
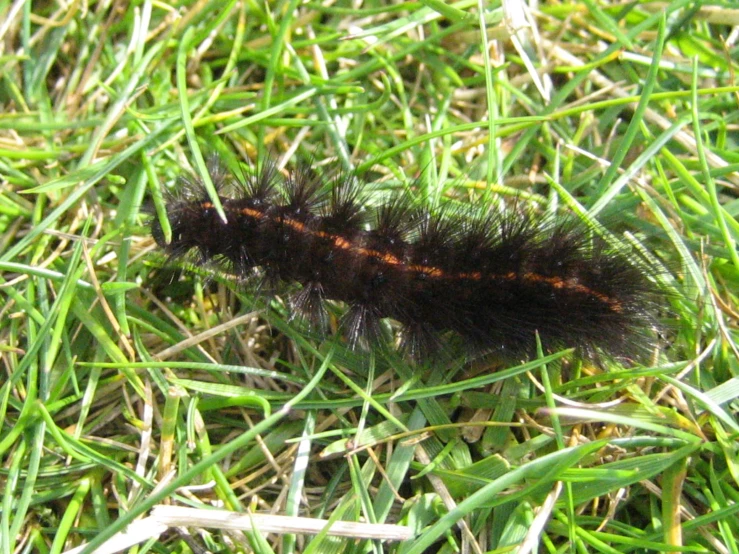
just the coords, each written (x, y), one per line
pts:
(432, 272)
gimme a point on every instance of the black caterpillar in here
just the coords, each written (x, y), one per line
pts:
(492, 280)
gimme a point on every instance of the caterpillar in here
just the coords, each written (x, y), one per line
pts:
(493, 280)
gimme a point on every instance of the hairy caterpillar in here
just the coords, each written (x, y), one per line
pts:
(493, 280)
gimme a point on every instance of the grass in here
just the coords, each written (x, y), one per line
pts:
(122, 391)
